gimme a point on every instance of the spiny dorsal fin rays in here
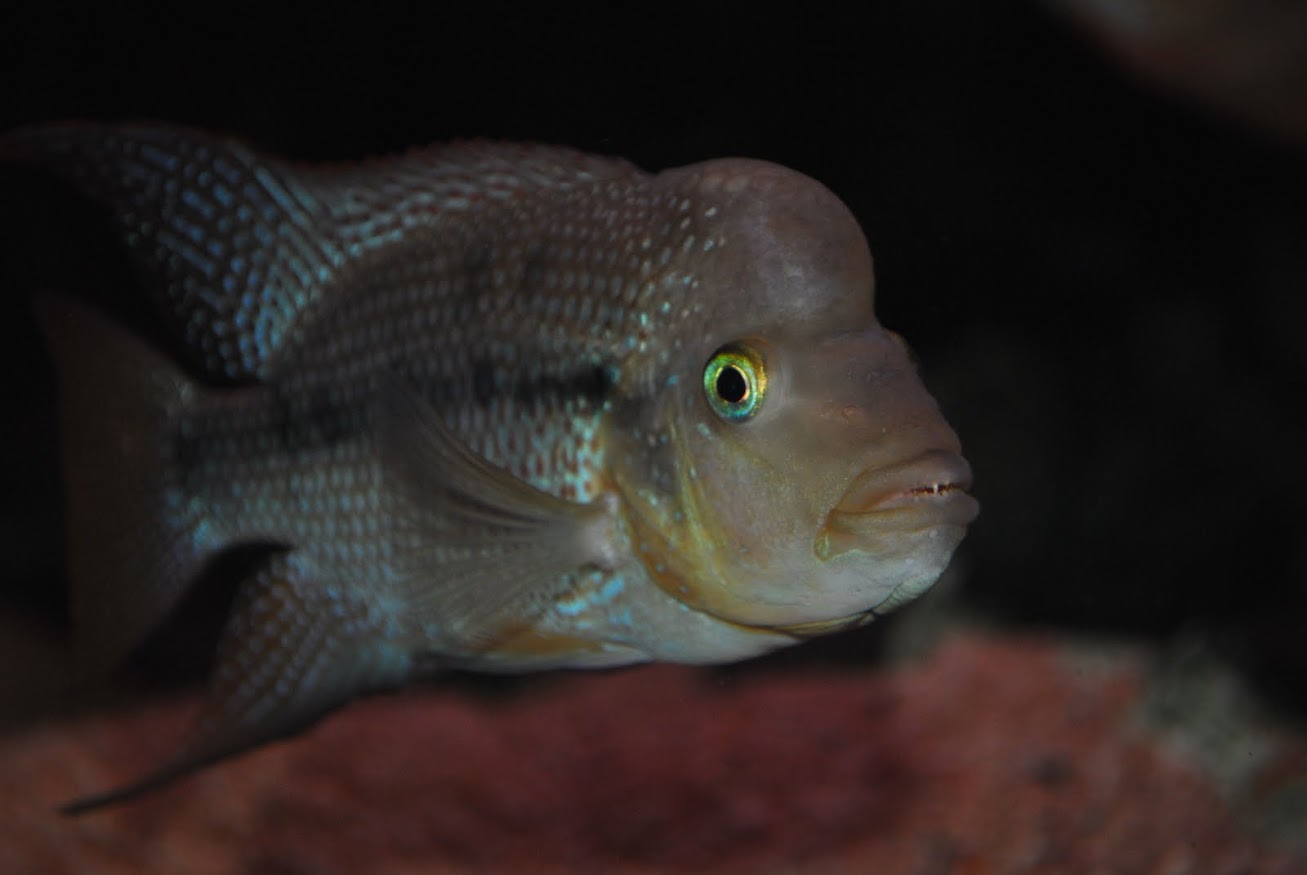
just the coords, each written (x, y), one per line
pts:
(484, 551)
(240, 247)
(297, 645)
(245, 244)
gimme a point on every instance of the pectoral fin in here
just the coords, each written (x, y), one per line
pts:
(486, 551)
(296, 647)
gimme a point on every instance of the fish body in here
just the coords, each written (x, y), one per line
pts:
(489, 406)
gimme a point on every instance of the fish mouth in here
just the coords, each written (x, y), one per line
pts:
(933, 479)
(902, 508)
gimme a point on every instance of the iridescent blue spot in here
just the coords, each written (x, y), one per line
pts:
(158, 157)
(223, 195)
(573, 607)
(192, 199)
(273, 187)
(611, 589)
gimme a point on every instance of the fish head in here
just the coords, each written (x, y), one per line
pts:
(804, 479)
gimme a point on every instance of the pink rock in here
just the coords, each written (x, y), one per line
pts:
(992, 755)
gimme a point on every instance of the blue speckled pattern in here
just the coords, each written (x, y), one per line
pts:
(463, 401)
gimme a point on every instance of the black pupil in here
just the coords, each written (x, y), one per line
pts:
(732, 387)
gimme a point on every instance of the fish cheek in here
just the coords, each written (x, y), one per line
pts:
(716, 512)
(749, 494)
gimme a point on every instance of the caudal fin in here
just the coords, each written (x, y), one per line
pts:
(134, 541)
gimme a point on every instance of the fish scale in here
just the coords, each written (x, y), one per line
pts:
(485, 406)
(260, 484)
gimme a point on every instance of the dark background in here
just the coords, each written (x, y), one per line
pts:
(1104, 280)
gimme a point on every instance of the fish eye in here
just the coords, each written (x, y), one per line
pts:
(735, 382)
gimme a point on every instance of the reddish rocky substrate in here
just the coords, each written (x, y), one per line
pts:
(992, 755)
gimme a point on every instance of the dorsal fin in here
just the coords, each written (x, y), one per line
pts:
(245, 244)
(373, 202)
(237, 243)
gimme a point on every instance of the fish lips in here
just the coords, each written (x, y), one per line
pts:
(934, 479)
(925, 492)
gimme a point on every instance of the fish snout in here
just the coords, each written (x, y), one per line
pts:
(887, 508)
(929, 476)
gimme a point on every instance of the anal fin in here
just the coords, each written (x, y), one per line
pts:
(294, 649)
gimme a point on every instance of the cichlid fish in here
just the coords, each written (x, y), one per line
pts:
(486, 406)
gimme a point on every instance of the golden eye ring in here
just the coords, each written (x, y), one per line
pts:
(735, 382)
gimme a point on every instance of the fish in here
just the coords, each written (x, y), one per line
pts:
(487, 406)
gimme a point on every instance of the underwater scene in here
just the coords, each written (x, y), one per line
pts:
(675, 439)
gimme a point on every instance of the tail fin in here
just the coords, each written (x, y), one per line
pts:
(134, 542)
